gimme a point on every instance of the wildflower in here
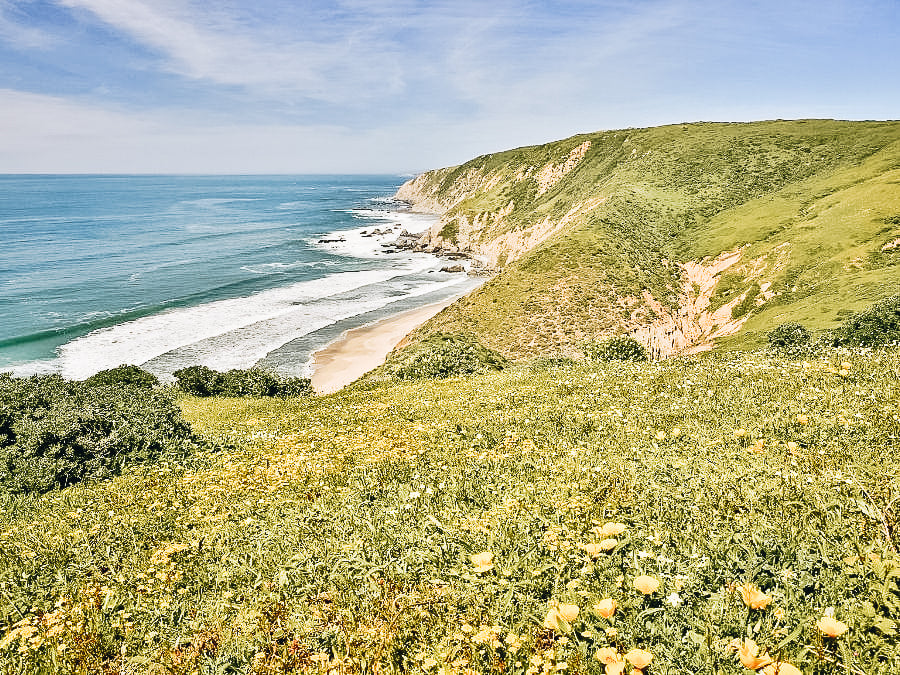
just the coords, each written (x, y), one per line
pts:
(616, 668)
(748, 653)
(831, 627)
(845, 365)
(740, 433)
(675, 433)
(674, 600)
(639, 658)
(607, 655)
(483, 562)
(802, 419)
(660, 435)
(559, 617)
(593, 549)
(608, 544)
(646, 585)
(753, 597)
(613, 529)
(606, 607)
(781, 668)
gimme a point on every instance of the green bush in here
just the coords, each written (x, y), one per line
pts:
(55, 433)
(124, 374)
(445, 355)
(789, 338)
(620, 348)
(877, 326)
(203, 381)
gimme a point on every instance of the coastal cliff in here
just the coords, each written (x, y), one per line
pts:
(681, 236)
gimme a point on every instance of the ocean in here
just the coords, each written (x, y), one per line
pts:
(223, 271)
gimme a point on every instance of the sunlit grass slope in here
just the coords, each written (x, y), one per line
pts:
(338, 532)
(813, 205)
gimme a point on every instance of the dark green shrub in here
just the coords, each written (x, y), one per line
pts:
(445, 355)
(55, 433)
(877, 326)
(129, 375)
(203, 381)
(620, 348)
(789, 338)
(199, 380)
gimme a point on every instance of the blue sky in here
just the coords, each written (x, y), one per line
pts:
(279, 86)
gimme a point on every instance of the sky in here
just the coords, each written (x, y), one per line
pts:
(402, 86)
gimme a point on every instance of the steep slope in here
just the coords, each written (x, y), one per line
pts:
(681, 235)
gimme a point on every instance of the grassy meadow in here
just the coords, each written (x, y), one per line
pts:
(456, 526)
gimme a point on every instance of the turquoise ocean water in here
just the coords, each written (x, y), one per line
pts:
(225, 271)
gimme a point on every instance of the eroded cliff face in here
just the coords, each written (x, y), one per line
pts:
(488, 235)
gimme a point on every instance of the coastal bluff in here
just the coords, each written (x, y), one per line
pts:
(684, 236)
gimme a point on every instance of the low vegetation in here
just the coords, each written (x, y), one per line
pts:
(203, 381)
(55, 433)
(440, 356)
(551, 517)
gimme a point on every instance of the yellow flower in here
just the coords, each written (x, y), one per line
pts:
(615, 668)
(608, 544)
(748, 653)
(606, 607)
(846, 365)
(483, 562)
(831, 627)
(607, 655)
(646, 585)
(593, 549)
(568, 612)
(613, 529)
(753, 597)
(781, 668)
(560, 616)
(802, 419)
(639, 658)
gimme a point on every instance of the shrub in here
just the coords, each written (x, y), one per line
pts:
(789, 338)
(620, 348)
(55, 433)
(203, 381)
(445, 355)
(199, 380)
(124, 374)
(877, 326)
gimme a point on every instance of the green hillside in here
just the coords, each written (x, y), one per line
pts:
(813, 208)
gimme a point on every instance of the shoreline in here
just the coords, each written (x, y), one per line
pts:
(360, 350)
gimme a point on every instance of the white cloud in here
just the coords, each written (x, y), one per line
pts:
(212, 45)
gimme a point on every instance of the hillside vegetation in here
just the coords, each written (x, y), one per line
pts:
(684, 235)
(455, 526)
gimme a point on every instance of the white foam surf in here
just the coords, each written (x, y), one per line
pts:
(149, 337)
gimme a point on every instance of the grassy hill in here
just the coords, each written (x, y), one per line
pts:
(596, 234)
(337, 534)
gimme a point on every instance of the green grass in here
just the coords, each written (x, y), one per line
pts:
(336, 532)
(812, 203)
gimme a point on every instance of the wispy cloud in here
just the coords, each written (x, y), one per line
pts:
(215, 43)
(412, 84)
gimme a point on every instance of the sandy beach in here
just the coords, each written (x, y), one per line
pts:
(361, 349)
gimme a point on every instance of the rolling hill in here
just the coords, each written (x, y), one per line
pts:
(686, 236)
